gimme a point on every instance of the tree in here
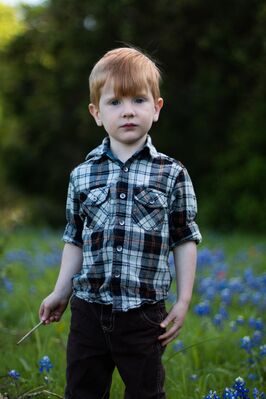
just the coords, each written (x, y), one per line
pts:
(212, 57)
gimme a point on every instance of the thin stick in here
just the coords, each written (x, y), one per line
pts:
(30, 332)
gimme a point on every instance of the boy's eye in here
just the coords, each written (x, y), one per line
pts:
(114, 102)
(139, 100)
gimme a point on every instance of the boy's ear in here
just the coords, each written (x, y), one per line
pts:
(94, 111)
(158, 104)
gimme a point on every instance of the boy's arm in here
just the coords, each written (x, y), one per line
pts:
(54, 305)
(185, 258)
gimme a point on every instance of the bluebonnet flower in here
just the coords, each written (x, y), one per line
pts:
(14, 374)
(8, 284)
(210, 293)
(202, 308)
(212, 395)
(243, 299)
(233, 326)
(257, 324)
(178, 346)
(257, 394)
(223, 312)
(237, 391)
(217, 320)
(257, 338)
(256, 297)
(45, 364)
(246, 344)
(240, 387)
(193, 377)
(252, 376)
(236, 285)
(240, 320)
(263, 350)
(204, 257)
(229, 393)
(226, 296)
(171, 297)
(19, 256)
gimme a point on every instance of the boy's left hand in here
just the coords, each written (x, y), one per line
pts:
(176, 317)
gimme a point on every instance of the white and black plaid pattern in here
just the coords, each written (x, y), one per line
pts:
(127, 217)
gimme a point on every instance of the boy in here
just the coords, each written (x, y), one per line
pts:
(127, 206)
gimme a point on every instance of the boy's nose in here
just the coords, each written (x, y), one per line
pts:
(128, 110)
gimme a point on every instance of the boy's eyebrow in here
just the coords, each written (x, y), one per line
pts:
(110, 97)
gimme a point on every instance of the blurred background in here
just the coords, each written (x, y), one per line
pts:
(212, 56)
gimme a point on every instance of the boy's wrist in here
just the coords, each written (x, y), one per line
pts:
(63, 294)
(185, 301)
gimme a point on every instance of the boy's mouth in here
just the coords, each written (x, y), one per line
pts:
(127, 125)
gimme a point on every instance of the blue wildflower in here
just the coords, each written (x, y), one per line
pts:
(263, 350)
(256, 297)
(226, 296)
(204, 257)
(223, 312)
(8, 285)
(246, 343)
(233, 326)
(45, 364)
(240, 387)
(240, 320)
(243, 299)
(178, 346)
(229, 393)
(217, 320)
(14, 374)
(193, 377)
(236, 285)
(257, 338)
(257, 324)
(202, 308)
(252, 376)
(212, 395)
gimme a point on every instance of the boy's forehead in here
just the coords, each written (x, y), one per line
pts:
(110, 90)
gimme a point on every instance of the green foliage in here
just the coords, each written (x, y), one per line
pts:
(212, 56)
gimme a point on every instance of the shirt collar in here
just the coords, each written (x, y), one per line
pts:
(104, 149)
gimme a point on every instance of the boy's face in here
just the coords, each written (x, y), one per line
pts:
(127, 120)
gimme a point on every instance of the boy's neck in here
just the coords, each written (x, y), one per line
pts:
(124, 151)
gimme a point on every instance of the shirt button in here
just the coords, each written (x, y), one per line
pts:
(125, 169)
(121, 222)
(119, 248)
(122, 195)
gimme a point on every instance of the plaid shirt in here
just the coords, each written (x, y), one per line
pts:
(126, 217)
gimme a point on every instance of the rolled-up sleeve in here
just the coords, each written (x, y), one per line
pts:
(74, 226)
(183, 211)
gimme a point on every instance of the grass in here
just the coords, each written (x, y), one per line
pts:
(230, 283)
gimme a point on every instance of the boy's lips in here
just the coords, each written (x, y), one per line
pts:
(129, 125)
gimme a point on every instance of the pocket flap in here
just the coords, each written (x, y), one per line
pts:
(95, 196)
(151, 198)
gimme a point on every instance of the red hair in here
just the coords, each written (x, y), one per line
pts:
(131, 72)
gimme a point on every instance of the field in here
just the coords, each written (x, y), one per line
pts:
(223, 337)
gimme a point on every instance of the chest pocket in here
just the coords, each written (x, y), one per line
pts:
(149, 208)
(95, 206)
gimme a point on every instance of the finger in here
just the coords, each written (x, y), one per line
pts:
(167, 341)
(168, 333)
(169, 336)
(46, 314)
(166, 321)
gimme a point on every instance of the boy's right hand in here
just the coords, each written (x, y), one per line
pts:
(52, 308)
